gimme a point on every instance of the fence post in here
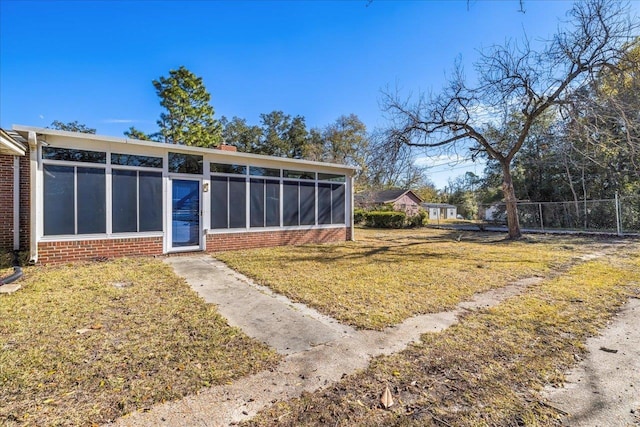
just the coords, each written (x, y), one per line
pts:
(541, 220)
(618, 223)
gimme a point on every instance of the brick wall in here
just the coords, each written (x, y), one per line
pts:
(57, 252)
(6, 203)
(232, 241)
(25, 205)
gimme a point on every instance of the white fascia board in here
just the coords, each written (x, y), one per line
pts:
(10, 146)
(223, 156)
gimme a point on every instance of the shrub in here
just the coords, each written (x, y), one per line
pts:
(378, 219)
(359, 215)
(417, 220)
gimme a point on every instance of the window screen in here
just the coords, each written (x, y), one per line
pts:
(264, 203)
(219, 202)
(290, 203)
(59, 200)
(337, 204)
(307, 203)
(272, 203)
(136, 201)
(228, 202)
(324, 203)
(256, 213)
(124, 201)
(91, 201)
(237, 203)
(150, 190)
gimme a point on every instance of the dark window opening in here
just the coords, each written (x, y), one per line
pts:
(73, 155)
(185, 163)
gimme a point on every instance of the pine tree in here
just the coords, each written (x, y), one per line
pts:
(189, 117)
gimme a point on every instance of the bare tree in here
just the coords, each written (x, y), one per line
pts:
(515, 80)
(386, 168)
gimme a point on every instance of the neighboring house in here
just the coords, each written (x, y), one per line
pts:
(401, 200)
(494, 213)
(438, 211)
(70, 196)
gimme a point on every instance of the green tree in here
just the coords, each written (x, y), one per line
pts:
(189, 116)
(282, 135)
(346, 141)
(71, 127)
(236, 132)
(134, 133)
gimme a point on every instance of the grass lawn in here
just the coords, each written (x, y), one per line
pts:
(488, 369)
(387, 276)
(85, 343)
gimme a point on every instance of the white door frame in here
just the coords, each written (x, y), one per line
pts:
(169, 235)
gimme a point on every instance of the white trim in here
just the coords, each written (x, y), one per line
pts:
(228, 156)
(351, 208)
(16, 203)
(272, 229)
(169, 204)
(9, 146)
(101, 236)
(35, 197)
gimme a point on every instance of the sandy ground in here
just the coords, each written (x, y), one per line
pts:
(604, 390)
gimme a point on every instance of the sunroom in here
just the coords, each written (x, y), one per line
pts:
(97, 196)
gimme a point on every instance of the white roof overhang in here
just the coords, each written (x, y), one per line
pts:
(231, 156)
(10, 144)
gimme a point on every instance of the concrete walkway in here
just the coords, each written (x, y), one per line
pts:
(604, 389)
(273, 319)
(318, 350)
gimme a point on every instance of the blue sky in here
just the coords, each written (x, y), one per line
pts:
(94, 61)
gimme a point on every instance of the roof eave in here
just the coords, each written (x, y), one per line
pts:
(9, 146)
(350, 170)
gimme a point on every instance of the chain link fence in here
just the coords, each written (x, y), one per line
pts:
(620, 215)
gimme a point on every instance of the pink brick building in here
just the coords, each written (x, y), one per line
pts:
(401, 200)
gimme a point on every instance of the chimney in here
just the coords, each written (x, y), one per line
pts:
(225, 147)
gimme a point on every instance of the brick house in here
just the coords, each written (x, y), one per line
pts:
(401, 200)
(70, 196)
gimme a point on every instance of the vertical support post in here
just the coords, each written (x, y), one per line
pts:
(352, 236)
(34, 200)
(618, 224)
(541, 220)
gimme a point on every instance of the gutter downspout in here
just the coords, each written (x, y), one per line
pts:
(33, 198)
(16, 203)
(17, 272)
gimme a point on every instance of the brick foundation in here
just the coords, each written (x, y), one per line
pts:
(57, 252)
(82, 250)
(249, 240)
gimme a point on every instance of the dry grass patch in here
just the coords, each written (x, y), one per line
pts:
(386, 277)
(486, 371)
(85, 343)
